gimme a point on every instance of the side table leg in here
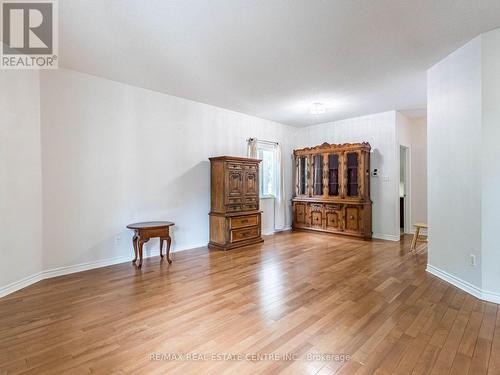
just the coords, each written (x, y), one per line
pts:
(161, 247)
(141, 243)
(169, 241)
(134, 242)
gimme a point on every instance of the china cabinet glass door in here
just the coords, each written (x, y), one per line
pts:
(333, 175)
(318, 175)
(352, 174)
(302, 175)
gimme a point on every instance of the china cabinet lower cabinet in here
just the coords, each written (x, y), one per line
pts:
(234, 218)
(332, 189)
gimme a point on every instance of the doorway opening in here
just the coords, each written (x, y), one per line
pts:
(404, 190)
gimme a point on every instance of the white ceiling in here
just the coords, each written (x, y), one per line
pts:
(273, 58)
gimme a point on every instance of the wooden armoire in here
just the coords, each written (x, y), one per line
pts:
(332, 189)
(235, 218)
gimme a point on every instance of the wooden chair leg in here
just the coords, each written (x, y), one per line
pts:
(415, 238)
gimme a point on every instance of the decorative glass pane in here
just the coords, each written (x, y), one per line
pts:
(333, 174)
(302, 175)
(318, 175)
(352, 174)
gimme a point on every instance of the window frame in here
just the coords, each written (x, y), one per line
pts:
(273, 147)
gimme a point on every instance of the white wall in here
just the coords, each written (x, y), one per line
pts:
(454, 162)
(20, 177)
(113, 154)
(412, 133)
(418, 131)
(464, 204)
(490, 178)
(380, 131)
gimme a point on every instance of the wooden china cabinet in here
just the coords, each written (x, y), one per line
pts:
(235, 218)
(332, 192)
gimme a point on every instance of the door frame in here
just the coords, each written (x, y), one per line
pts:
(407, 179)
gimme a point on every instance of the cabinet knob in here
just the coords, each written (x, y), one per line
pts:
(351, 217)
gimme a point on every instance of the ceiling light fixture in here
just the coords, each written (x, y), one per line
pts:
(317, 109)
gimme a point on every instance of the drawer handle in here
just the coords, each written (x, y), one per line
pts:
(244, 221)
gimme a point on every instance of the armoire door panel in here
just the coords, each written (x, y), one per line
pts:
(352, 174)
(317, 177)
(300, 214)
(235, 183)
(316, 219)
(352, 219)
(316, 214)
(302, 168)
(333, 176)
(333, 221)
(251, 183)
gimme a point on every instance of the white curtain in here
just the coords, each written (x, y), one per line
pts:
(252, 148)
(280, 203)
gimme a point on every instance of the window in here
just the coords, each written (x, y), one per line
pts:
(268, 173)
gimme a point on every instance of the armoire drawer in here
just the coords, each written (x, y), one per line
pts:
(250, 167)
(250, 207)
(234, 166)
(334, 207)
(244, 221)
(244, 233)
(233, 207)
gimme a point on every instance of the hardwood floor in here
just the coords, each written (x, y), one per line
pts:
(297, 292)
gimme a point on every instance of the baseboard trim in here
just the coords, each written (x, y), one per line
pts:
(66, 270)
(453, 280)
(273, 231)
(387, 237)
(484, 295)
(20, 284)
(491, 296)
(61, 271)
(284, 229)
